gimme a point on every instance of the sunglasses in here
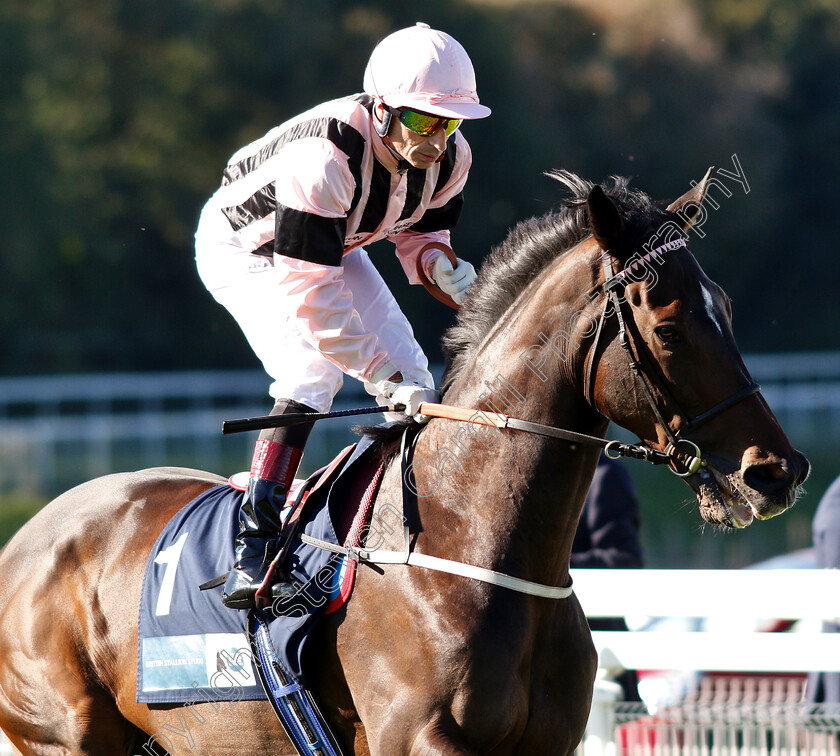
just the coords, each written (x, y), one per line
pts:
(424, 124)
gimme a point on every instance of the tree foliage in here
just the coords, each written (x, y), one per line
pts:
(117, 118)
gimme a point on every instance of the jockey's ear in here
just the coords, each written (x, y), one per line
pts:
(688, 207)
(604, 219)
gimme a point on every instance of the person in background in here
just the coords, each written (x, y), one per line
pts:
(824, 687)
(608, 537)
(281, 246)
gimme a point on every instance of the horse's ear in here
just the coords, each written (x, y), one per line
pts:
(688, 206)
(604, 219)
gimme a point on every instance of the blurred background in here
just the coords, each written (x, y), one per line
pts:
(117, 118)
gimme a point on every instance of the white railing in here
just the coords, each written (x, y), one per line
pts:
(733, 599)
(58, 430)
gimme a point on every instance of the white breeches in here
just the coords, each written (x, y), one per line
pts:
(245, 285)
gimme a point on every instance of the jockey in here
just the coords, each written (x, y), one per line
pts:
(281, 246)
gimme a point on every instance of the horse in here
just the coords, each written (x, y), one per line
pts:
(594, 312)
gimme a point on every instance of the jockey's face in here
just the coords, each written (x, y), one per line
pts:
(420, 151)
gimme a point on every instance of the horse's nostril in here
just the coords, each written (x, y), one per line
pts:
(802, 469)
(767, 478)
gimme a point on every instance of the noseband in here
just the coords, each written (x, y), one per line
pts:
(690, 459)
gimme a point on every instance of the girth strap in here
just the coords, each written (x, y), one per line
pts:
(409, 557)
(413, 559)
(294, 705)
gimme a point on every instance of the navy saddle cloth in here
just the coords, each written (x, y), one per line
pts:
(191, 648)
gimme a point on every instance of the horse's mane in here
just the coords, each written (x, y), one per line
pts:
(530, 247)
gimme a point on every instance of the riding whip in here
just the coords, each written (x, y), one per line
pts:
(295, 418)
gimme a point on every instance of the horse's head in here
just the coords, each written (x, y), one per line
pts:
(663, 363)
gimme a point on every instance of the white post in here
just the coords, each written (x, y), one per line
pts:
(599, 738)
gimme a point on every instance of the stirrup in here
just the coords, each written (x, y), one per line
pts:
(248, 600)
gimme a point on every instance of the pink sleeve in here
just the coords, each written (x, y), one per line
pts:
(323, 304)
(409, 244)
(314, 177)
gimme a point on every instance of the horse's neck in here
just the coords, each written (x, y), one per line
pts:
(532, 363)
(530, 489)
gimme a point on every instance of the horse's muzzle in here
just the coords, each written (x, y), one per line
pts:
(765, 486)
(772, 486)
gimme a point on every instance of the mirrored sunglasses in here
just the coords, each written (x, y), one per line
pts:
(425, 124)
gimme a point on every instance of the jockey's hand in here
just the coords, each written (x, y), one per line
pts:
(408, 393)
(453, 281)
(412, 395)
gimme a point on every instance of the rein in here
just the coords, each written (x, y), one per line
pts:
(613, 449)
(683, 465)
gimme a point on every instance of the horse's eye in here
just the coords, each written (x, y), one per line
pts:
(668, 334)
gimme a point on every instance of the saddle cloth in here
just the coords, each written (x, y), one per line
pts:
(191, 648)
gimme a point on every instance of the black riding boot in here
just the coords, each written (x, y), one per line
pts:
(276, 459)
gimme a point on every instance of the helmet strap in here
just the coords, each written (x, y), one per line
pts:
(402, 164)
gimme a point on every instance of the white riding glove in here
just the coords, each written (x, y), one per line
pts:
(408, 393)
(453, 281)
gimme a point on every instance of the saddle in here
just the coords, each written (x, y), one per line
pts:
(293, 513)
(183, 630)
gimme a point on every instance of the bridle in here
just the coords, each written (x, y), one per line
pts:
(645, 371)
(681, 464)
(683, 456)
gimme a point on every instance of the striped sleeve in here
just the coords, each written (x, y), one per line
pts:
(316, 188)
(303, 178)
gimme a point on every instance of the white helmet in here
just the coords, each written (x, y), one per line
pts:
(426, 70)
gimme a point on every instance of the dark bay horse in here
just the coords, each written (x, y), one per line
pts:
(423, 662)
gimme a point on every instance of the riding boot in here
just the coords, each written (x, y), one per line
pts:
(276, 459)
